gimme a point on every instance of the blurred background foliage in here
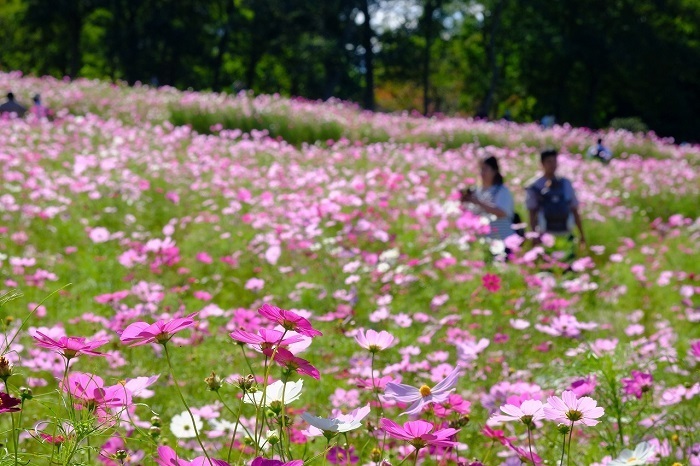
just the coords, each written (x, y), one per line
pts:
(588, 62)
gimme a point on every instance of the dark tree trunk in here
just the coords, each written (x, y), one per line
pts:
(369, 56)
(223, 44)
(429, 11)
(486, 105)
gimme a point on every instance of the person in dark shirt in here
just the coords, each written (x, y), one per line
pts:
(11, 106)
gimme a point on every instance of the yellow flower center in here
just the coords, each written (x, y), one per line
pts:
(631, 460)
(424, 391)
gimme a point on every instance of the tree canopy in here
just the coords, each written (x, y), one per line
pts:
(585, 62)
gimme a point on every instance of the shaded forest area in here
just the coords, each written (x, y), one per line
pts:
(586, 62)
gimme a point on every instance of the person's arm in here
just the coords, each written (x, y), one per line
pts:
(489, 208)
(533, 207)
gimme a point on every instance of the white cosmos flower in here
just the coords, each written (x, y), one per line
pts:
(641, 454)
(181, 425)
(292, 392)
(338, 424)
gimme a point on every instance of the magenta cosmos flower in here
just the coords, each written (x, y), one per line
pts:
(418, 433)
(289, 320)
(8, 404)
(572, 410)
(291, 363)
(491, 282)
(374, 341)
(265, 340)
(639, 384)
(419, 397)
(260, 461)
(141, 333)
(168, 457)
(69, 347)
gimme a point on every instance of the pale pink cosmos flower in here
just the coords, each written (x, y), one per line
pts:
(168, 457)
(99, 235)
(374, 341)
(141, 333)
(529, 412)
(572, 410)
(419, 433)
(69, 347)
(419, 397)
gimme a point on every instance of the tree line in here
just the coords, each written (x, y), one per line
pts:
(585, 62)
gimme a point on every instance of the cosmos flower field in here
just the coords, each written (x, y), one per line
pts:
(284, 281)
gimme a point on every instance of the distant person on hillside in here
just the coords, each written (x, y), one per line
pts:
(552, 203)
(600, 152)
(11, 106)
(38, 109)
(492, 199)
(548, 121)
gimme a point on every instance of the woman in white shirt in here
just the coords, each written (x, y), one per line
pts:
(492, 199)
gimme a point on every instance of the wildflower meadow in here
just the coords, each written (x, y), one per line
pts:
(202, 279)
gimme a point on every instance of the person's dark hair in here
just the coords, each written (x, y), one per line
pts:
(547, 154)
(492, 162)
(10, 96)
(600, 141)
(36, 98)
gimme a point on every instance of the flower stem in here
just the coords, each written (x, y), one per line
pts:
(15, 440)
(245, 356)
(571, 434)
(179, 392)
(529, 443)
(563, 450)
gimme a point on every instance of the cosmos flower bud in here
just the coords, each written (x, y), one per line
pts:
(121, 455)
(155, 420)
(214, 382)
(563, 429)
(25, 393)
(247, 383)
(154, 431)
(5, 368)
(375, 455)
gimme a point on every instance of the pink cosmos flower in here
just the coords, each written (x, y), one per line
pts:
(339, 455)
(286, 359)
(265, 340)
(694, 351)
(141, 333)
(419, 397)
(8, 404)
(529, 412)
(572, 410)
(498, 435)
(260, 461)
(585, 386)
(168, 457)
(374, 341)
(69, 347)
(639, 384)
(378, 384)
(89, 391)
(289, 320)
(418, 433)
(491, 282)
(99, 235)
(454, 404)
